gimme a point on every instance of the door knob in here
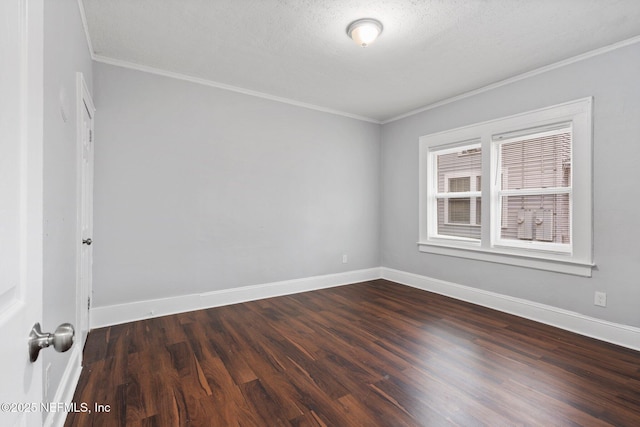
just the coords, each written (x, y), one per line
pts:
(88, 241)
(62, 339)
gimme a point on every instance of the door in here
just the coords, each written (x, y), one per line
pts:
(21, 214)
(86, 112)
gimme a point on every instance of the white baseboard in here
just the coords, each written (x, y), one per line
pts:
(128, 312)
(66, 388)
(615, 333)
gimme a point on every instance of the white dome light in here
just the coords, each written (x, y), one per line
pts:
(364, 31)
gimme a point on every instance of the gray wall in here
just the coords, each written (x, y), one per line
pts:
(199, 189)
(65, 53)
(612, 79)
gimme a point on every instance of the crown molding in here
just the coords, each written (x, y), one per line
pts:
(523, 76)
(223, 86)
(85, 26)
(206, 82)
(237, 89)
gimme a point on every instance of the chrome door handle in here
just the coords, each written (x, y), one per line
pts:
(87, 242)
(62, 339)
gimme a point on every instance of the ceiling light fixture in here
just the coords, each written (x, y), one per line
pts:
(364, 31)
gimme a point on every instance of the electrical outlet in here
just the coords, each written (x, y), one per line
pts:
(345, 258)
(600, 299)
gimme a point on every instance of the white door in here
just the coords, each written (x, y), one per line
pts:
(21, 217)
(86, 111)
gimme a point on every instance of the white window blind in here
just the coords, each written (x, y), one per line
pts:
(536, 188)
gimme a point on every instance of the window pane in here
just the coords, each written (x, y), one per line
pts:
(542, 160)
(543, 218)
(457, 185)
(478, 211)
(459, 211)
(445, 228)
(462, 164)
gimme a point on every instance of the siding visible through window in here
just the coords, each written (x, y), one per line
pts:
(459, 172)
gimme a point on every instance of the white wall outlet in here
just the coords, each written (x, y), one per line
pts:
(600, 299)
(345, 258)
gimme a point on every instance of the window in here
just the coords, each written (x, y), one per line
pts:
(537, 190)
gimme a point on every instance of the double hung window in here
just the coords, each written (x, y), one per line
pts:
(515, 190)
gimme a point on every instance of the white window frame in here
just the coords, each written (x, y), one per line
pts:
(575, 258)
(434, 195)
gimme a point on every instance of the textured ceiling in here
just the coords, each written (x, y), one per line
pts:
(429, 50)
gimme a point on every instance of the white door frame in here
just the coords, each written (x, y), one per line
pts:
(84, 178)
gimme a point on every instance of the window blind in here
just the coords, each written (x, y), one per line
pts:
(536, 186)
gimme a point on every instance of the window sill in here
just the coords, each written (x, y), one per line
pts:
(517, 258)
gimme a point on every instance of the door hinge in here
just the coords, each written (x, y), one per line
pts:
(90, 135)
(88, 303)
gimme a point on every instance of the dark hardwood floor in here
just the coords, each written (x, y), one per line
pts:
(369, 354)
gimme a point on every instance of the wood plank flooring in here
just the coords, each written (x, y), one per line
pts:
(369, 354)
